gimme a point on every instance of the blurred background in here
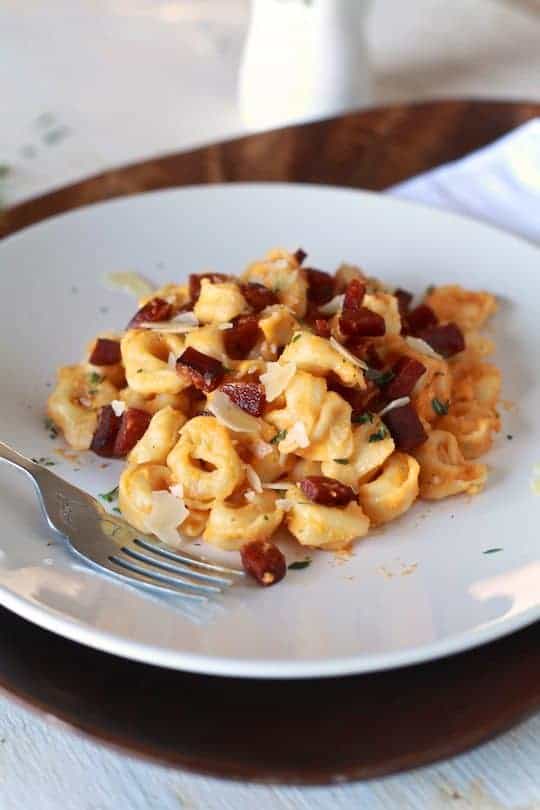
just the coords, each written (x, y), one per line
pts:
(88, 84)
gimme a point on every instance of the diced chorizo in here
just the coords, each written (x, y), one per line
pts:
(326, 491)
(203, 372)
(249, 396)
(133, 425)
(106, 432)
(446, 339)
(361, 323)
(407, 371)
(106, 352)
(258, 296)
(264, 561)
(240, 340)
(155, 310)
(320, 286)
(405, 428)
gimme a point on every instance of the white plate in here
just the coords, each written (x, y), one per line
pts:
(421, 588)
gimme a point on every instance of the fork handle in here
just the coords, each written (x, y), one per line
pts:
(10, 456)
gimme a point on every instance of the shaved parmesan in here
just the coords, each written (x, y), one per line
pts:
(224, 326)
(419, 345)
(183, 323)
(250, 495)
(285, 504)
(279, 485)
(230, 415)
(333, 306)
(253, 479)
(262, 449)
(130, 282)
(177, 490)
(85, 402)
(279, 264)
(118, 407)
(296, 437)
(276, 379)
(396, 403)
(347, 354)
(171, 360)
(168, 512)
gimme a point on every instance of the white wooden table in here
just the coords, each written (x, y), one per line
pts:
(90, 84)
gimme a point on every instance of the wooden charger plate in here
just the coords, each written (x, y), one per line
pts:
(311, 731)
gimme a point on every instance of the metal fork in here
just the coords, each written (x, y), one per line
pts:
(114, 546)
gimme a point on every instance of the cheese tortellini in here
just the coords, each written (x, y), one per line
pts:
(262, 405)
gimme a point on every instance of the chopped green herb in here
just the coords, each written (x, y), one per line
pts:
(51, 427)
(379, 377)
(55, 135)
(491, 550)
(266, 517)
(296, 337)
(117, 510)
(362, 418)
(509, 437)
(278, 437)
(44, 461)
(381, 434)
(440, 408)
(227, 370)
(340, 460)
(95, 378)
(111, 496)
(299, 564)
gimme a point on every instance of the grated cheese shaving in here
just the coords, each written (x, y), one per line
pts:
(296, 437)
(230, 415)
(347, 354)
(250, 495)
(279, 485)
(168, 512)
(118, 407)
(182, 324)
(130, 282)
(285, 504)
(171, 360)
(253, 479)
(177, 490)
(276, 379)
(333, 306)
(224, 326)
(396, 403)
(419, 345)
(262, 449)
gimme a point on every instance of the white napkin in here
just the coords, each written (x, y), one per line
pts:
(499, 184)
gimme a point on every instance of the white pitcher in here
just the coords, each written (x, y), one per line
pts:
(303, 59)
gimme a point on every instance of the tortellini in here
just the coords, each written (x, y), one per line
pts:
(393, 491)
(275, 426)
(219, 302)
(74, 404)
(205, 461)
(468, 309)
(281, 273)
(145, 354)
(329, 527)
(444, 470)
(230, 525)
(160, 437)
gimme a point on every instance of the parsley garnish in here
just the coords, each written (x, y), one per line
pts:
(491, 550)
(299, 564)
(44, 461)
(362, 418)
(111, 496)
(278, 437)
(117, 510)
(95, 378)
(51, 427)
(266, 517)
(340, 460)
(509, 437)
(440, 408)
(379, 377)
(381, 434)
(296, 337)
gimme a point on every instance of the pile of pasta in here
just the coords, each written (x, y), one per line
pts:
(324, 403)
